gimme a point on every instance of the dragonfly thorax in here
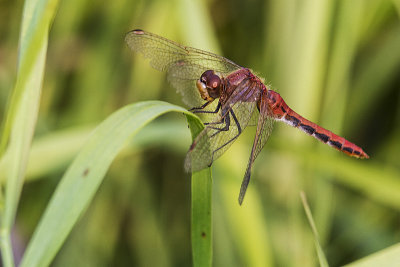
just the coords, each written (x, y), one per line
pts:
(209, 85)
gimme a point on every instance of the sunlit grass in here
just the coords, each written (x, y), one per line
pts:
(335, 62)
(84, 176)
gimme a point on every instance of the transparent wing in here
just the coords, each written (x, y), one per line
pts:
(211, 143)
(264, 129)
(184, 65)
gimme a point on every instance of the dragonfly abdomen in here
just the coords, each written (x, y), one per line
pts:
(330, 138)
(281, 111)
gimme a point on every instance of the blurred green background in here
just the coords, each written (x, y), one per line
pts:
(336, 63)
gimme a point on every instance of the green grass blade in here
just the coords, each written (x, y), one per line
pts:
(321, 256)
(19, 125)
(84, 176)
(44, 159)
(202, 218)
(387, 257)
(397, 5)
(201, 209)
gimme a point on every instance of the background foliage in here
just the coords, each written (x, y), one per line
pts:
(335, 62)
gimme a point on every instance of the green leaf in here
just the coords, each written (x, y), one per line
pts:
(84, 176)
(387, 257)
(321, 256)
(201, 209)
(23, 106)
(202, 218)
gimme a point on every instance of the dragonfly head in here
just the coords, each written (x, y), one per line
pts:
(209, 85)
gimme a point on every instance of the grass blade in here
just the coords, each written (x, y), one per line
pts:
(202, 218)
(84, 176)
(387, 257)
(201, 209)
(321, 256)
(20, 122)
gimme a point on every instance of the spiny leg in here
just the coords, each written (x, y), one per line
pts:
(227, 121)
(222, 120)
(233, 138)
(200, 109)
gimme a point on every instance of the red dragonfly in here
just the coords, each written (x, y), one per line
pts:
(243, 99)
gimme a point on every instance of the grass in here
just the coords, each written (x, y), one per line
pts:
(335, 62)
(19, 123)
(82, 179)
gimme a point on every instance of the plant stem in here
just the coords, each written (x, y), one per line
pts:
(6, 248)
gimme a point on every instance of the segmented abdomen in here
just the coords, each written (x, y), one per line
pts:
(281, 111)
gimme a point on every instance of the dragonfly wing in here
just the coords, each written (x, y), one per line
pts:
(211, 143)
(184, 65)
(182, 75)
(264, 129)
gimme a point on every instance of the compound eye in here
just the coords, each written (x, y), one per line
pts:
(206, 75)
(214, 82)
(210, 79)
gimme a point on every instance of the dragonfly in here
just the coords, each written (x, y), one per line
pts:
(243, 99)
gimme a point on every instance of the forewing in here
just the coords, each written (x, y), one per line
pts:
(264, 129)
(211, 144)
(184, 65)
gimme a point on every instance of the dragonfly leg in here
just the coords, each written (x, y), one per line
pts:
(222, 120)
(215, 122)
(233, 138)
(200, 109)
(227, 121)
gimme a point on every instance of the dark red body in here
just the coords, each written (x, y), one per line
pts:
(239, 93)
(284, 113)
